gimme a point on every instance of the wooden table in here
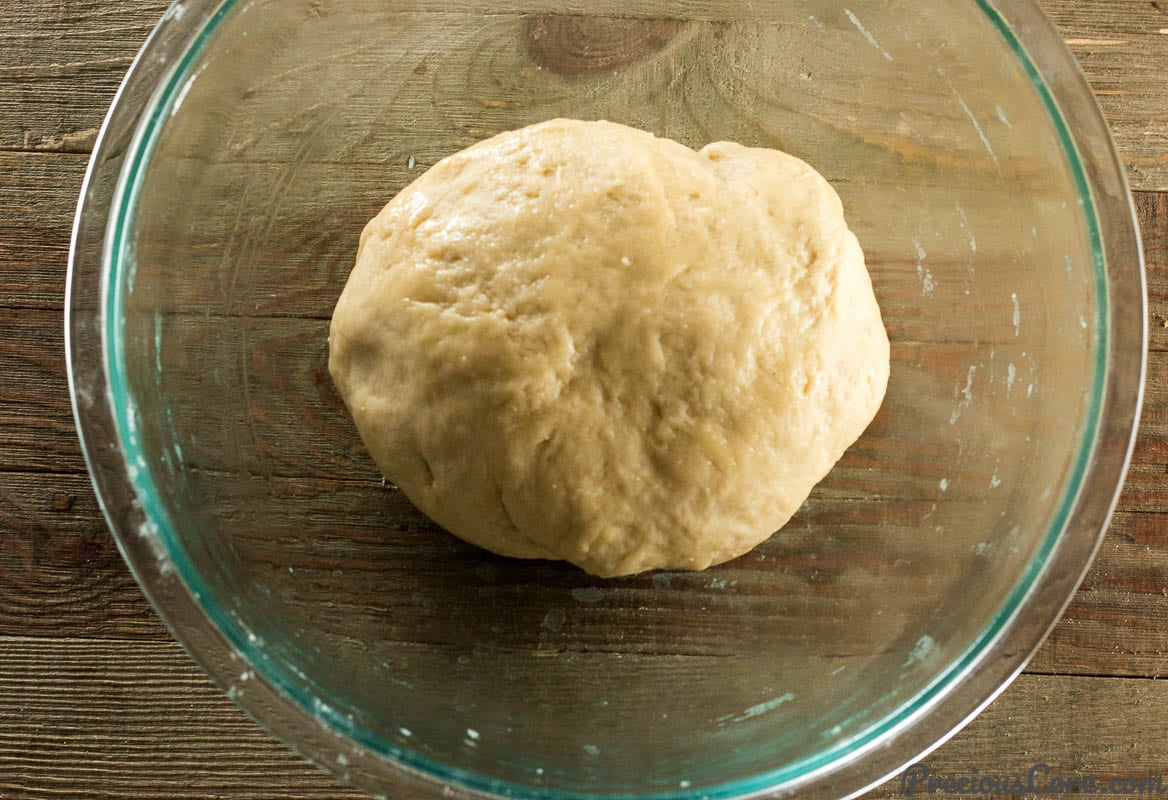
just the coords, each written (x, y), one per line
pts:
(97, 700)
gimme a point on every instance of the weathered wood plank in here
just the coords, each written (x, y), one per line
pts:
(31, 357)
(64, 567)
(304, 275)
(33, 349)
(133, 719)
(294, 423)
(60, 63)
(38, 193)
(808, 84)
(1124, 592)
(40, 434)
(285, 242)
(279, 414)
(1090, 727)
(36, 422)
(1118, 622)
(60, 572)
(121, 719)
(62, 576)
(334, 536)
(1123, 51)
(1152, 211)
(259, 256)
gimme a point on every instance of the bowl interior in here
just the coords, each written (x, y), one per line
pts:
(291, 123)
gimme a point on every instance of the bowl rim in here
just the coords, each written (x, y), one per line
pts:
(106, 420)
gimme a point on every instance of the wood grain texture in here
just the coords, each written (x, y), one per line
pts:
(1153, 217)
(60, 63)
(97, 702)
(574, 45)
(1117, 624)
(62, 576)
(288, 362)
(38, 193)
(39, 436)
(133, 719)
(60, 572)
(1100, 727)
(36, 422)
(1123, 50)
(121, 719)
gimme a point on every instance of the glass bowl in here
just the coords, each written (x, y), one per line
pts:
(248, 146)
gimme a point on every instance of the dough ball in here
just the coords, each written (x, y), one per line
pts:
(579, 341)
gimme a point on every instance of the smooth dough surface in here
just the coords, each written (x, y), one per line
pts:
(579, 341)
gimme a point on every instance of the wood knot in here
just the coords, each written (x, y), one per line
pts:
(581, 45)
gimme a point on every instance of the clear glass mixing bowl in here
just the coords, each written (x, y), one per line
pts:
(250, 143)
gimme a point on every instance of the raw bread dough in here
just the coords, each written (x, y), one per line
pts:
(579, 341)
